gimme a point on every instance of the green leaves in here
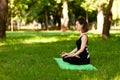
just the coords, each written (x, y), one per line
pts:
(32, 9)
(90, 5)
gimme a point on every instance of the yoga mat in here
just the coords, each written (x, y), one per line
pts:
(68, 66)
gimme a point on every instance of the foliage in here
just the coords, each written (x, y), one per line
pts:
(30, 10)
(29, 56)
(87, 5)
(17, 8)
(95, 3)
(38, 9)
(116, 10)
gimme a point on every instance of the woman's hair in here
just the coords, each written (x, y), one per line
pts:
(83, 22)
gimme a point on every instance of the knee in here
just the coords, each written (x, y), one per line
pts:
(87, 61)
(64, 59)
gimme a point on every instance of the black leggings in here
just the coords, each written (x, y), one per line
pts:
(75, 60)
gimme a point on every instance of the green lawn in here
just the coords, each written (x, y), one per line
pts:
(28, 55)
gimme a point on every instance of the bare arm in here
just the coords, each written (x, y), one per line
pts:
(73, 51)
(83, 45)
(67, 54)
(77, 52)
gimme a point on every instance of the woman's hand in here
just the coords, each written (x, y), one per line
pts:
(73, 55)
(64, 54)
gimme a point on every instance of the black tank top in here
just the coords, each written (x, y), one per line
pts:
(85, 53)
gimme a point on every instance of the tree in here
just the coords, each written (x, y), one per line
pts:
(100, 19)
(26, 8)
(3, 17)
(115, 12)
(88, 7)
(91, 6)
(16, 12)
(65, 19)
(107, 22)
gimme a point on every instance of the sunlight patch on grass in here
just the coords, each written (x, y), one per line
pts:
(94, 32)
(117, 35)
(114, 31)
(42, 40)
(1, 44)
(117, 77)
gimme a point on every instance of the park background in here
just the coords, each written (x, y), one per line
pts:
(33, 32)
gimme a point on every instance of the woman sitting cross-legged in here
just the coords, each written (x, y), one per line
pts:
(80, 54)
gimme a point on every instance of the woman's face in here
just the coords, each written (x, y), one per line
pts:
(78, 26)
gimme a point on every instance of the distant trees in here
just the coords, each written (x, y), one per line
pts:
(47, 12)
(3, 17)
(52, 14)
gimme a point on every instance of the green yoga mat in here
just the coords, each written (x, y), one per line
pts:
(67, 66)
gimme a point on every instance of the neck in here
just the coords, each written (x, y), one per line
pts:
(81, 33)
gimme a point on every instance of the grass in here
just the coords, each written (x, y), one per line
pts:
(28, 55)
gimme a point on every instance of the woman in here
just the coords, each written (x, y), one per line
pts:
(80, 54)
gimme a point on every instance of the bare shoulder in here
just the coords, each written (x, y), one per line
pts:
(84, 37)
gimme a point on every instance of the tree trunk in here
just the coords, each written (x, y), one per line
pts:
(18, 24)
(65, 19)
(100, 19)
(3, 17)
(107, 22)
(12, 24)
(87, 16)
(46, 19)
